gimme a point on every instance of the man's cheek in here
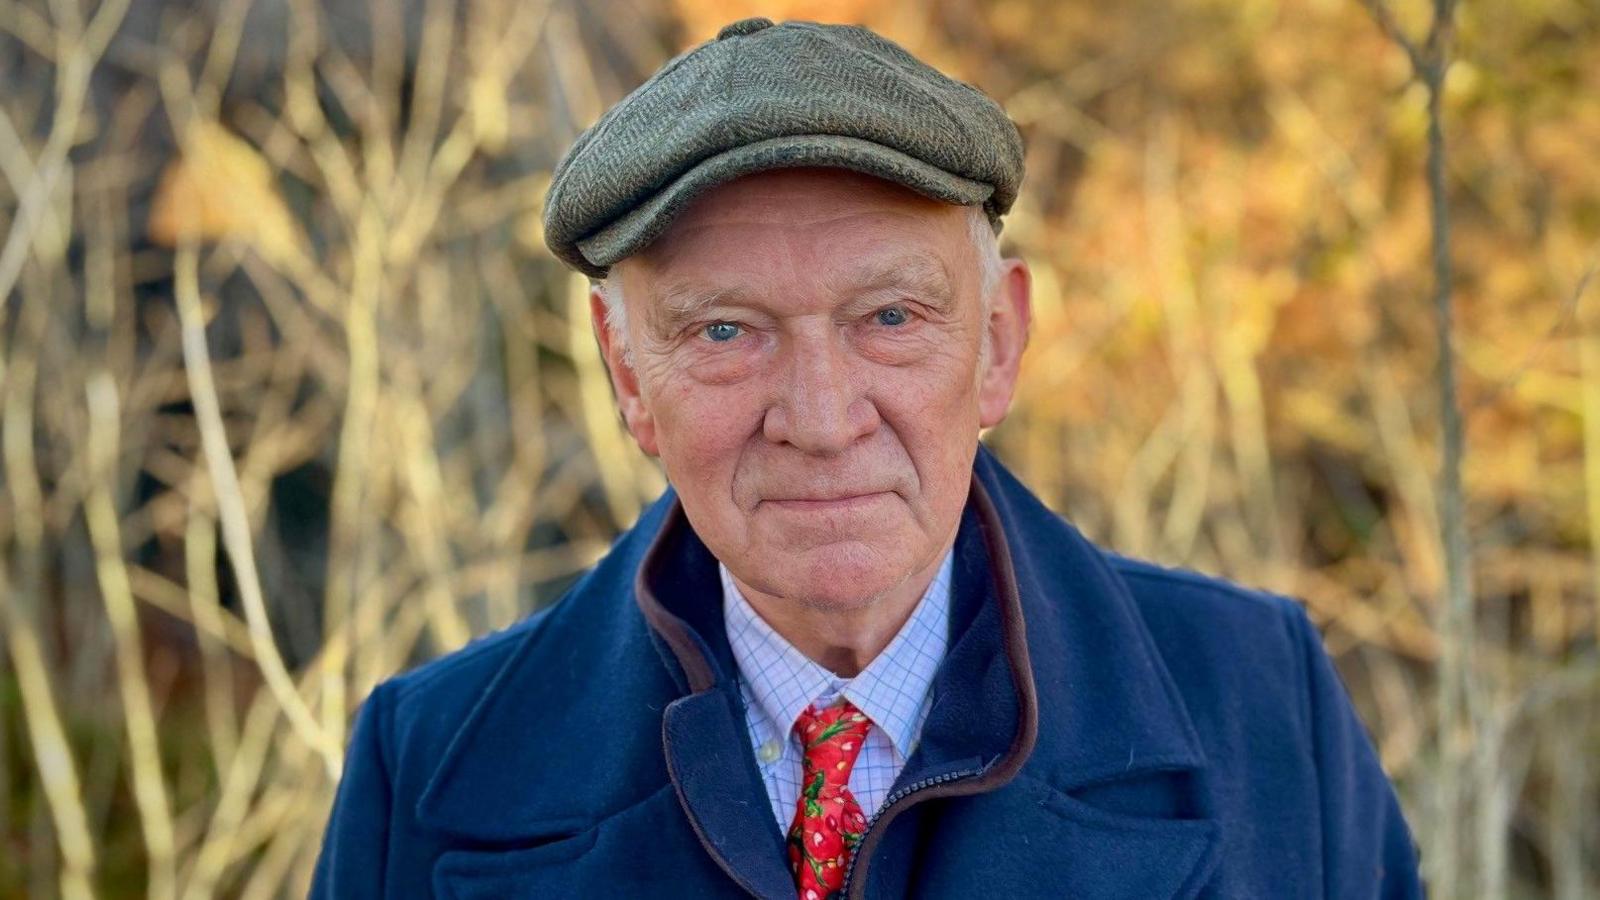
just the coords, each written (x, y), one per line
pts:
(705, 434)
(933, 405)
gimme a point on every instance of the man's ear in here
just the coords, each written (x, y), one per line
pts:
(624, 381)
(1010, 314)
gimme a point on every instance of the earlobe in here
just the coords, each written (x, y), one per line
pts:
(1009, 318)
(641, 425)
(636, 415)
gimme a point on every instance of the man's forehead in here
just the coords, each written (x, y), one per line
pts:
(794, 205)
(795, 238)
(924, 271)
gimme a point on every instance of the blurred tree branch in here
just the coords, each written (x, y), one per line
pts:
(1456, 691)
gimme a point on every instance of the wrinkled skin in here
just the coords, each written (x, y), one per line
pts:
(806, 359)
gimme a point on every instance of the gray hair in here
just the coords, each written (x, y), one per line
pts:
(985, 243)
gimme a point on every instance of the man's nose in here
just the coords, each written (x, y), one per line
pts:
(820, 404)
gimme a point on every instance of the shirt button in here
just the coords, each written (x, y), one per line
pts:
(770, 751)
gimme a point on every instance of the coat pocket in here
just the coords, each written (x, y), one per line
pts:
(548, 869)
(1029, 839)
(646, 850)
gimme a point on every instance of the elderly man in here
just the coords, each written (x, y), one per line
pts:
(848, 653)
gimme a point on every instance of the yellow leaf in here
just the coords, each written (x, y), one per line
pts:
(219, 187)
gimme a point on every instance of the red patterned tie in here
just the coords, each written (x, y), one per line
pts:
(827, 819)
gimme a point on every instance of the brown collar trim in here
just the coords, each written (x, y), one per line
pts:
(1014, 637)
(672, 629)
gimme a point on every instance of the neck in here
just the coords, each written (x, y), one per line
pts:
(844, 641)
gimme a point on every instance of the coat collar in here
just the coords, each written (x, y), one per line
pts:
(1050, 671)
(1108, 707)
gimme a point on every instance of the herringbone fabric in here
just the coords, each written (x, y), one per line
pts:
(763, 96)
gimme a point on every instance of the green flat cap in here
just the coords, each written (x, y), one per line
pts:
(763, 96)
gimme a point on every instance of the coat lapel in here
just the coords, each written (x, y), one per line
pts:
(1108, 707)
(722, 794)
(704, 737)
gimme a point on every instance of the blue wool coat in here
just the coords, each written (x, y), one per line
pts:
(1100, 727)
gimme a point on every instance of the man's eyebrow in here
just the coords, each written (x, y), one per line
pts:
(920, 273)
(682, 301)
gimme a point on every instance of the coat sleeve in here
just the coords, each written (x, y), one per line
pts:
(1367, 849)
(355, 846)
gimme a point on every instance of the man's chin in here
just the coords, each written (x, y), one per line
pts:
(842, 576)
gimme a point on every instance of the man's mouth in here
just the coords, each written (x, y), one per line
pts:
(828, 503)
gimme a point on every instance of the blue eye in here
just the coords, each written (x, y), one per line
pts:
(894, 315)
(721, 332)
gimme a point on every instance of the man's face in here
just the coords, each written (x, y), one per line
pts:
(805, 361)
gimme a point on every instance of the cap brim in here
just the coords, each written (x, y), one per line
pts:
(645, 222)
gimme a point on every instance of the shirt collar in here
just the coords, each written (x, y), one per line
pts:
(892, 690)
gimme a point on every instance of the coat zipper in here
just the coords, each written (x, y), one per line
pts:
(887, 813)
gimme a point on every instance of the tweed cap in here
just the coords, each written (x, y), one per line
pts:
(762, 96)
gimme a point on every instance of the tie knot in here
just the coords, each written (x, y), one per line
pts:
(831, 739)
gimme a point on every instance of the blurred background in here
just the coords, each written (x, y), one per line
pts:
(292, 397)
